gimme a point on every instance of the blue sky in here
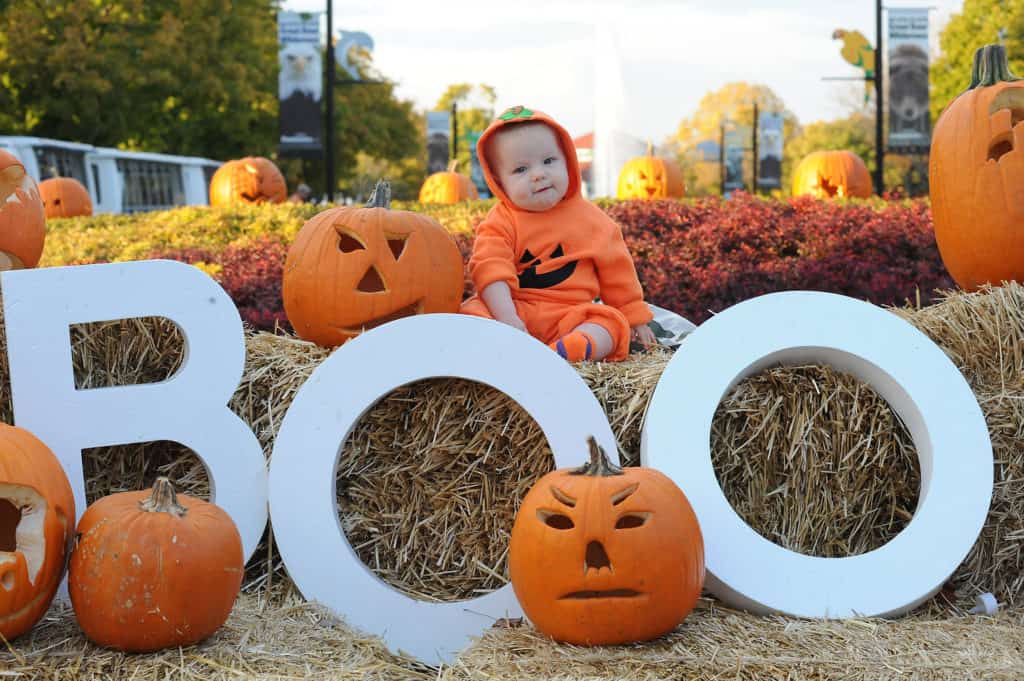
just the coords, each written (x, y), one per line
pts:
(672, 52)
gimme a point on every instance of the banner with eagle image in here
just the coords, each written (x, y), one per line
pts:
(300, 83)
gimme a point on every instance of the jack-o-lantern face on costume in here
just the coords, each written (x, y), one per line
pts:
(37, 524)
(649, 177)
(65, 197)
(22, 217)
(351, 269)
(601, 555)
(976, 176)
(832, 175)
(253, 179)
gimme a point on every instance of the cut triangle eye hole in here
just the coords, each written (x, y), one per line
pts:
(348, 243)
(397, 245)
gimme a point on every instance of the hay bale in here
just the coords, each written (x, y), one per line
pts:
(812, 459)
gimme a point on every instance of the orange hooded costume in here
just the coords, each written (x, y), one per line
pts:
(556, 262)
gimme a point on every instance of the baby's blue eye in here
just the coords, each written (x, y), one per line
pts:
(520, 169)
(549, 160)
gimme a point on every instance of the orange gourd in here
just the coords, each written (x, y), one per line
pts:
(353, 268)
(154, 569)
(636, 538)
(65, 197)
(448, 187)
(22, 217)
(253, 179)
(37, 525)
(832, 174)
(975, 176)
(650, 177)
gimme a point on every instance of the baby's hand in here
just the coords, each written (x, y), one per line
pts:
(514, 321)
(642, 334)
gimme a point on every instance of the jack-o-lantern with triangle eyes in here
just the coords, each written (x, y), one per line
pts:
(352, 268)
(253, 179)
(37, 524)
(650, 177)
(22, 216)
(976, 176)
(602, 555)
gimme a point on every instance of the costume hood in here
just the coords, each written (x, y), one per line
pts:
(515, 116)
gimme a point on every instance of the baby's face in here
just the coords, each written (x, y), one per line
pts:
(530, 166)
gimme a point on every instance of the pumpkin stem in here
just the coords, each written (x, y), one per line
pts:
(380, 197)
(990, 67)
(452, 165)
(650, 148)
(163, 500)
(599, 465)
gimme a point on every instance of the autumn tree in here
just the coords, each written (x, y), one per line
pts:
(733, 102)
(474, 109)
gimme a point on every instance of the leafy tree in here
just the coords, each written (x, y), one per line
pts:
(475, 111)
(733, 102)
(979, 24)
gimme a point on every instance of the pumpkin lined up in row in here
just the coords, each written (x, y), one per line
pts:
(651, 177)
(65, 197)
(253, 179)
(22, 216)
(832, 175)
(448, 186)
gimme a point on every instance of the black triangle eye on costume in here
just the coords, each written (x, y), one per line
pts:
(529, 278)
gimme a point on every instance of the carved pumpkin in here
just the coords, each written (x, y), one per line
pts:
(634, 535)
(448, 187)
(353, 268)
(37, 525)
(976, 171)
(22, 217)
(154, 570)
(65, 197)
(650, 177)
(253, 179)
(832, 174)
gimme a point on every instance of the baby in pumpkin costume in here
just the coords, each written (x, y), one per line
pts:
(544, 253)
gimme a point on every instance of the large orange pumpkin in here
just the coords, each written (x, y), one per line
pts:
(976, 176)
(651, 177)
(253, 179)
(353, 268)
(37, 525)
(154, 569)
(22, 217)
(448, 187)
(832, 174)
(65, 197)
(601, 555)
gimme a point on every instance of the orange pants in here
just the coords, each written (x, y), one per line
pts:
(547, 321)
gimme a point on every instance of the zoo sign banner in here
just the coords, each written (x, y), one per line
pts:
(744, 569)
(299, 82)
(909, 119)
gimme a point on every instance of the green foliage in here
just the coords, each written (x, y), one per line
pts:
(475, 111)
(979, 24)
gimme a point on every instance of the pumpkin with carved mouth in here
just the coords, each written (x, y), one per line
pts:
(650, 177)
(352, 268)
(832, 175)
(37, 525)
(253, 179)
(602, 555)
(22, 216)
(976, 176)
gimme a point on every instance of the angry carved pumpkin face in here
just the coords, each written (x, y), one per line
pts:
(976, 176)
(37, 523)
(601, 555)
(253, 179)
(351, 269)
(22, 217)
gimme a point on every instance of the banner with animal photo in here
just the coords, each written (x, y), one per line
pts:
(439, 124)
(909, 120)
(737, 139)
(769, 150)
(300, 83)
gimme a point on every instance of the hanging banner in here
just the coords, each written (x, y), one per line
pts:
(476, 172)
(737, 139)
(909, 121)
(769, 150)
(439, 127)
(300, 83)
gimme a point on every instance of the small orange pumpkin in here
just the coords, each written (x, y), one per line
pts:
(832, 174)
(253, 179)
(448, 187)
(154, 569)
(650, 177)
(37, 525)
(975, 176)
(22, 217)
(636, 538)
(65, 197)
(353, 268)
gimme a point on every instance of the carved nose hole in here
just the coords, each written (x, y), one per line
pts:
(596, 557)
(1000, 148)
(348, 243)
(371, 282)
(10, 516)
